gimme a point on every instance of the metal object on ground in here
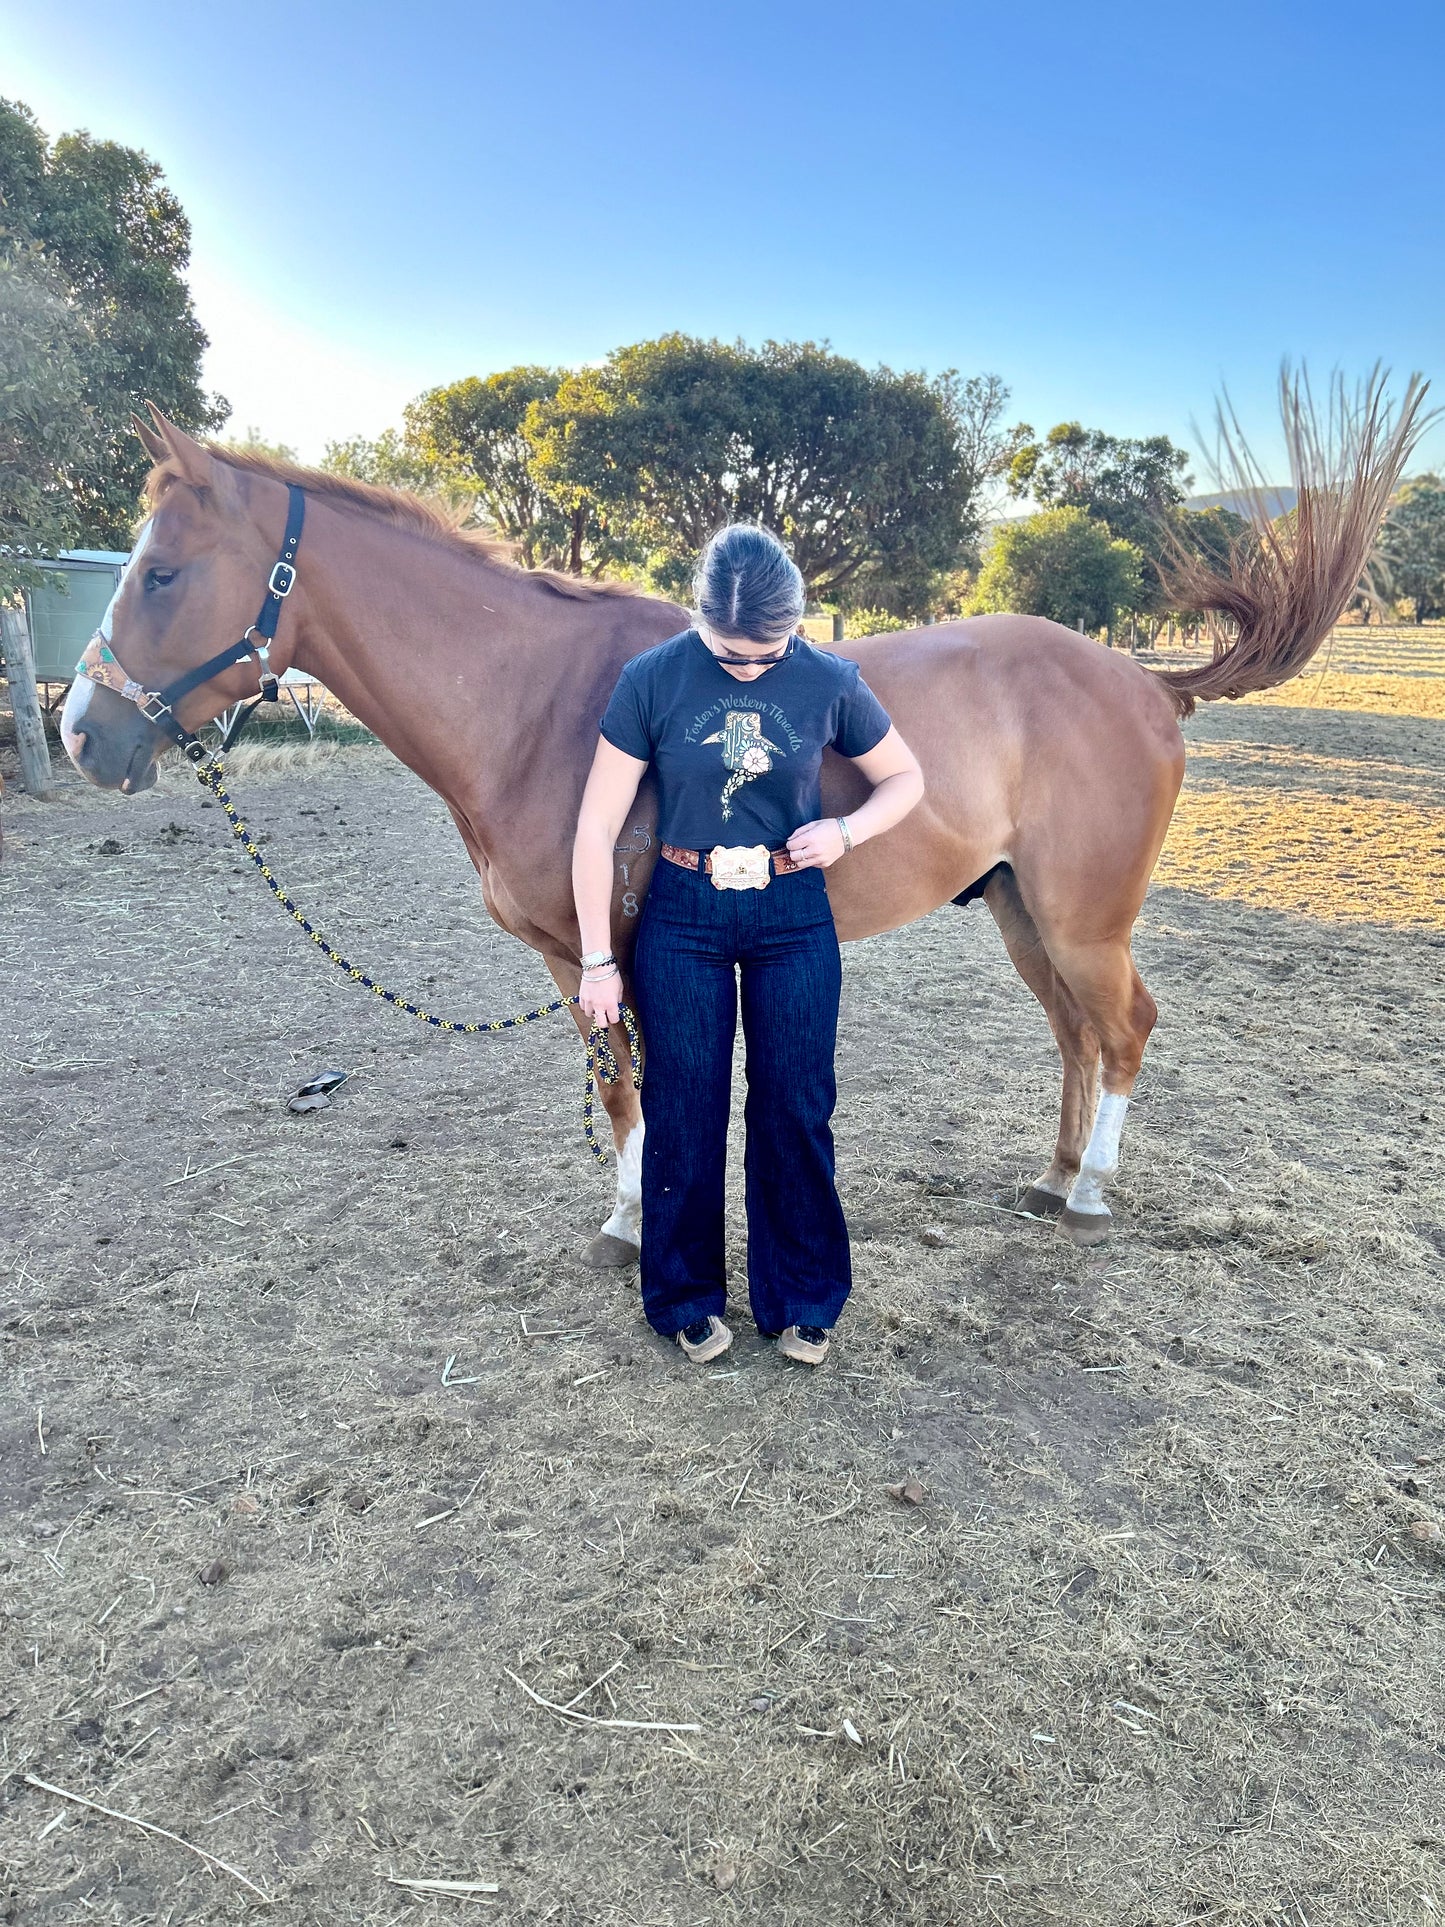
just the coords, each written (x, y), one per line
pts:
(323, 1083)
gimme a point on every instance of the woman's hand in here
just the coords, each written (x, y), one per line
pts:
(816, 845)
(600, 996)
(611, 787)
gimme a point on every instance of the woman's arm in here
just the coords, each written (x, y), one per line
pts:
(611, 786)
(892, 768)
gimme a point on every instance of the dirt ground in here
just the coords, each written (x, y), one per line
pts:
(322, 1455)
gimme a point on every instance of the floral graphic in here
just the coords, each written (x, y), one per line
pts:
(744, 752)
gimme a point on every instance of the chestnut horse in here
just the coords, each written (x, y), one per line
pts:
(1052, 764)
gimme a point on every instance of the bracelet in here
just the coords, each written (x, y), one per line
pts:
(595, 973)
(597, 957)
(842, 823)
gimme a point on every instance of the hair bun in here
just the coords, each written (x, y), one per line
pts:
(747, 587)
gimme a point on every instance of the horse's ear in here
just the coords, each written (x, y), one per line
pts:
(191, 462)
(150, 441)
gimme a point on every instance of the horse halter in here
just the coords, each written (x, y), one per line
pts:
(99, 663)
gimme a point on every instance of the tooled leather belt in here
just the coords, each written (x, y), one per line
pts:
(781, 862)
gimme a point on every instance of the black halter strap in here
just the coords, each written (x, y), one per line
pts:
(159, 707)
(283, 575)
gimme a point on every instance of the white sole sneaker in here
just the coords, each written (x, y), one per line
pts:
(713, 1346)
(803, 1351)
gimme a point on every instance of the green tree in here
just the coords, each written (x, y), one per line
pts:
(47, 431)
(858, 470)
(253, 442)
(1135, 486)
(116, 243)
(1063, 564)
(1190, 534)
(387, 462)
(987, 450)
(870, 622)
(396, 460)
(1411, 549)
(475, 431)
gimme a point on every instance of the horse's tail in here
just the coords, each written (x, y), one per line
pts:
(1287, 579)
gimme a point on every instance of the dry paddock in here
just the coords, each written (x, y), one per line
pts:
(325, 1462)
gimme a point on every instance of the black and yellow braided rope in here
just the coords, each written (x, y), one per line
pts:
(601, 1063)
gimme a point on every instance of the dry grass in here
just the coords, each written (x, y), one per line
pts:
(1379, 671)
(1334, 808)
(1344, 858)
(1161, 1645)
(294, 755)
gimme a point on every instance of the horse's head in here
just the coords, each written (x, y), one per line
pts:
(194, 583)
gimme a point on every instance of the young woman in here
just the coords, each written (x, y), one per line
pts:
(733, 715)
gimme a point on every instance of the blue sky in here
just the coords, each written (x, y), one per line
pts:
(1116, 207)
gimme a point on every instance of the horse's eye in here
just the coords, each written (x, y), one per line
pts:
(160, 578)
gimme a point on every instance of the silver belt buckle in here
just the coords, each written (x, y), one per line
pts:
(743, 867)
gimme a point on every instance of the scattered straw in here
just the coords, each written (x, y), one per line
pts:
(459, 1887)
(149, 1826)
(451, 1511)
(588, 1719)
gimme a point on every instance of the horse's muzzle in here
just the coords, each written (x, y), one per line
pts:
(108, 739)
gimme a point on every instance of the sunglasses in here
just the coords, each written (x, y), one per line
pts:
(748, 661)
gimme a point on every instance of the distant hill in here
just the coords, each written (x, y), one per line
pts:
(1278, 501)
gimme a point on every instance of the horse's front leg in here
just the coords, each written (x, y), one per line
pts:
(619, 1242)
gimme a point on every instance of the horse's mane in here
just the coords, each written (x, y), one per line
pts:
(402, 510)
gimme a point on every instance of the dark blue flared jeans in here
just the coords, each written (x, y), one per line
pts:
(694, 945)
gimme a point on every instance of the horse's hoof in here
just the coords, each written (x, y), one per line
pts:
(606, 1253)
(1042, 1204)
(1086, 1227)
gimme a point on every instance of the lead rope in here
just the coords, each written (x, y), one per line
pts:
(601, 1063)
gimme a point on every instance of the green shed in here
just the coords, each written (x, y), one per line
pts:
(61, 625)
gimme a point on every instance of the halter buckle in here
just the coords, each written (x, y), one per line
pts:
(283, 579)
(268, 681)
(153, 709)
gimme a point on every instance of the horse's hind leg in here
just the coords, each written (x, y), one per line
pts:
(1109, 990)
(1076, 1038)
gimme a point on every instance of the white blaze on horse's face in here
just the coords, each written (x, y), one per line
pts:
(72, 715)
(107, 620)
(82, 690)
(78, 697)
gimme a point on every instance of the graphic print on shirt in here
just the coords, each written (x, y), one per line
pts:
(744, 752)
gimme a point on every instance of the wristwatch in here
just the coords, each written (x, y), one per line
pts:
(591, 957)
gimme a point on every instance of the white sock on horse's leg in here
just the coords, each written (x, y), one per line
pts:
(626, 1219)
(1101, 1158)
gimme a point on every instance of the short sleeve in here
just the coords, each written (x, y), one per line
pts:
(863, 722)
(625, 720)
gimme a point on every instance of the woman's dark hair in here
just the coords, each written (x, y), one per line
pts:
(747, 587)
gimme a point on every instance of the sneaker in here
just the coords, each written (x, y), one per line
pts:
(804, 1344)
(708, 1339)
